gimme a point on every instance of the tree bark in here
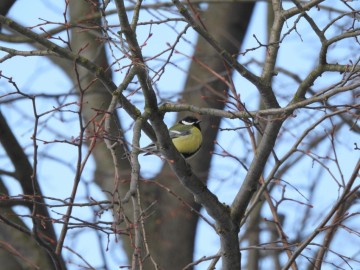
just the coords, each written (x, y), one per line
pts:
(97, 99)
(172, 233)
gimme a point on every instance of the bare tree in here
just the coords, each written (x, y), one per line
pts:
(289, 164)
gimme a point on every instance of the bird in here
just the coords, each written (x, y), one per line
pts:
(186, 136)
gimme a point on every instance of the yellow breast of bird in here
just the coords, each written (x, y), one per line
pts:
(189, 143)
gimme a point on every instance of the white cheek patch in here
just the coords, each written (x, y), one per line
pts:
(187, 123)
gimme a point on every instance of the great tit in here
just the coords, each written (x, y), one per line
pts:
(186, 136)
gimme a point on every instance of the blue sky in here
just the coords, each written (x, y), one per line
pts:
(37, 75)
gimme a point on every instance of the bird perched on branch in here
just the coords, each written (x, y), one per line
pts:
(186, 136)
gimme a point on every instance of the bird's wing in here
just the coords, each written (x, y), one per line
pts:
(176, 133)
